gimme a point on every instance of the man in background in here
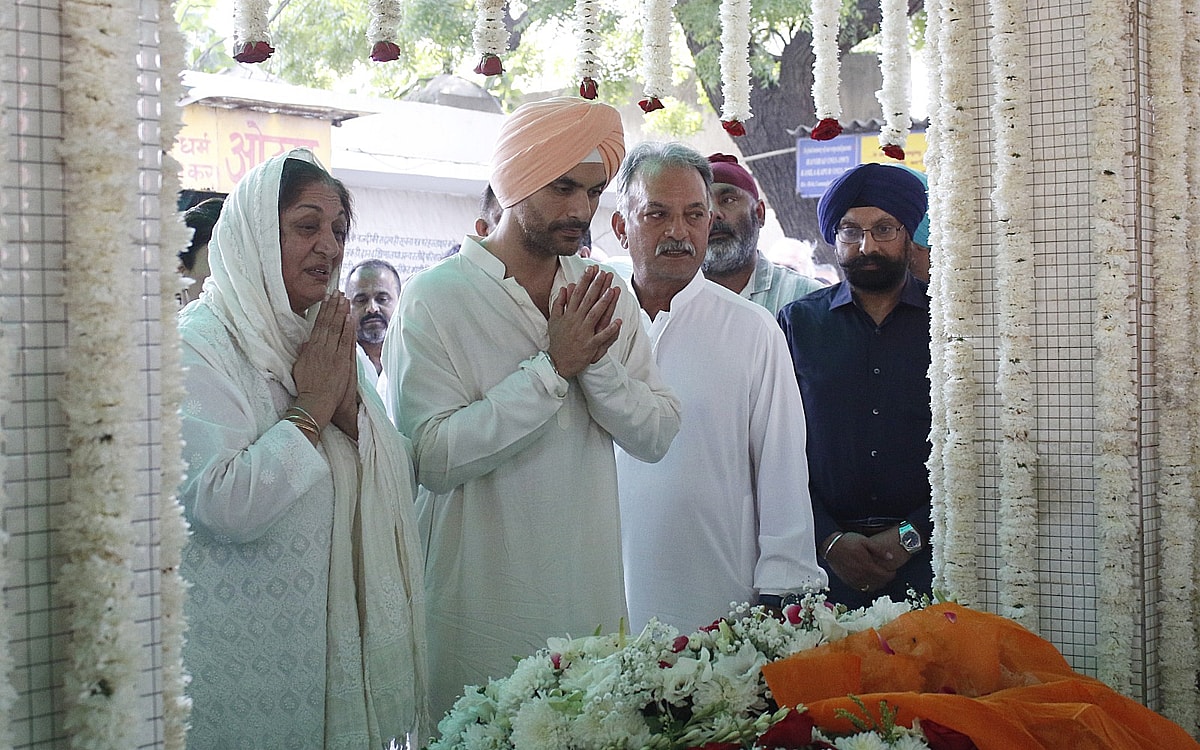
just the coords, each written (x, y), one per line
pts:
(724, 516)
(861, 353)
(514, 367)
(734, 260)
(373, 288)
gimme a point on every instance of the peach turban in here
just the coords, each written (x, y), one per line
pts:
(541, 141)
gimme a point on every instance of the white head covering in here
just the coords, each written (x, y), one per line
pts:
(376, 673)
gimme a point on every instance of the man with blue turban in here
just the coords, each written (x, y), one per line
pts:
(861, 352)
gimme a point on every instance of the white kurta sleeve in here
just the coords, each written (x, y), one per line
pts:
(625, 394)
(787, 552)
(458, 435)
(240, 479)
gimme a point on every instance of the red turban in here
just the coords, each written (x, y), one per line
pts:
(726, 169)
(541, 141)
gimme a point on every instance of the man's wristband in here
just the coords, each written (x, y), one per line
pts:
(836, 538)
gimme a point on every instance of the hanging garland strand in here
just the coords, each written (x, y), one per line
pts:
(826, 18)
(587, 63)
(251, 31)
(735, 65)
(490, 36)
(656, 52)
(101, 681)
(172, 528)
(1016, 283)
(1173, 275)
(384, 28)
(894, 64)
(1191, 93)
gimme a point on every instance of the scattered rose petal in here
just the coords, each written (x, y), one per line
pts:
(733, 127)
(588, 88)
(716, 624)
(385, 51)
(679, 644)
(951, 616)
(650, 104)
(489, 65)
(827, 129)
(793, 613)
(664, 664)
(942, 737)
(254, 52)
(883, 644)
(895, 152)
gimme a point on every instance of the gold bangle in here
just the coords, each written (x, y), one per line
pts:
(837, 538)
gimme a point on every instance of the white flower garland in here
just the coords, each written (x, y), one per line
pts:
(827, 83)
(894, 64)
(959, 328)
(383, 29)
(587, 34)
(1115, 388)
(490, 34)
(937, 430)
(656, 48)
(1173, 273)
(735, 62)
(100, 95)
(1191, 92)
(1015, 284)
(8, 694)
(251, 30)
(172, 528)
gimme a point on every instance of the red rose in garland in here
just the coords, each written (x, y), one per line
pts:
(733, 127)
(254, 52)
(489, 65)
(895, 152)
(588, 88)
(385, 52)
(827, 129)
(650, 103)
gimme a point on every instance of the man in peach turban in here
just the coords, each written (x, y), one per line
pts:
(514, 368)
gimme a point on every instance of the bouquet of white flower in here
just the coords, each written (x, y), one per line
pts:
(661, 690)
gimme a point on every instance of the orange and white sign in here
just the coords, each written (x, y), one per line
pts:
(216, 147)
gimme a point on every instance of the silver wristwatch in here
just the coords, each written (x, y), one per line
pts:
(910, 538)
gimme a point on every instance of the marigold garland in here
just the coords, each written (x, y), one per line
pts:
(826, 19)
(1016, 282)
(735, 65)
(172, 528)
(894, 64)
(101, 681)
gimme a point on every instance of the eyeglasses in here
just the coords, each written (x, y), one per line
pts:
(853, 235)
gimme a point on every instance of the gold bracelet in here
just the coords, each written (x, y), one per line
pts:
(304, 421)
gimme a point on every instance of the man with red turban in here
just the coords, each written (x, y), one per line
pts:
(514, 368)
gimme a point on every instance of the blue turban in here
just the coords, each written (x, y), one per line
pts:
(896, 191)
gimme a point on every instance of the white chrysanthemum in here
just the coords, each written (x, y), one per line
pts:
(538, 724)
(530, 676)
(864, 741)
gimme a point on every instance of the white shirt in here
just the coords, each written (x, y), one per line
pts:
(378, 380)
(518, 502)
(726, 514)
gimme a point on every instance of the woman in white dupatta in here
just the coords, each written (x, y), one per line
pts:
(306, 609)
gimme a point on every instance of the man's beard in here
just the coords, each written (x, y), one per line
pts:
(371, 335)
(887, 273)
(543, 241)
(732, 253)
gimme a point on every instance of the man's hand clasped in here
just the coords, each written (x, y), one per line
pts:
(868, 563)
(581, 326)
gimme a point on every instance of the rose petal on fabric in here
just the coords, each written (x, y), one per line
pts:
(944, 738)
(385, 51)
(588, 88)
(254, 52)
(895, 152)
(489, 65)
(883, 644)
(733, 127)
(792, 732)
(951, 616)
(827, 129)
(649, 104)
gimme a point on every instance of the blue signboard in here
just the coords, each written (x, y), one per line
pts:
(819, 162)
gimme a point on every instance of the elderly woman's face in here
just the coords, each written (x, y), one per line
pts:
(312, 237)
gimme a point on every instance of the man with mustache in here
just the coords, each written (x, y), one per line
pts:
(514, 367)
(725, 515)
(373, 288)
(734, 260)
(861, 354)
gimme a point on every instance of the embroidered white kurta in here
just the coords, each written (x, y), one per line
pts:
(518, 504)
(726, 514)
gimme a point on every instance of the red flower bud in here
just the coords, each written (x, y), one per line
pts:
(556, 661)
(650, 104)
(791, 732)
(792, 613)
(716, 625)
(254, 52)
(895, 152)
(827, 129)
(385, 51)
(733, 127)
(679, 644)
(944, 738)
(489, 65)
(663, 664)
(588, 88)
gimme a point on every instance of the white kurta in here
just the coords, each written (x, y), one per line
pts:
(259, 497)
(518, 502)
(726, 514)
